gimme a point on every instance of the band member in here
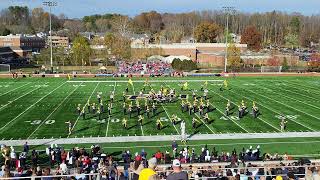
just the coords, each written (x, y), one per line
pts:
(112, 96)
(240, 112)
(69, 127)
(154, 109)
(174, 119)
(79, 109)
(99, 98)
(125, 123)
(194, 125)
(140, 119)
(124, 107)
(83, 113)
(283, 124)
(200, 111)
(138, 108)
(89, 107)
(243, 106)
(208, 105)
(182, 106)
(255, 110)
(227, 112)
(159, 124)
(124, 96)
(99, 113)
(206, 118)
(148, 112)
(93, 107)
(190, 109)
(109, 109)
(101, 107)
(130, 110)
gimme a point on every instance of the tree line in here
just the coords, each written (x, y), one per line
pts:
(275, 28)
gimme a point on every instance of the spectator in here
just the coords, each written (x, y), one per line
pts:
(147, 172)
(177, 174)
(26, 147)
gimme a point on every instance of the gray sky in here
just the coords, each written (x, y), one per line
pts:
(80, 8)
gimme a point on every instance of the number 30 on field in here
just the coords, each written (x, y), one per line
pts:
(37, 122)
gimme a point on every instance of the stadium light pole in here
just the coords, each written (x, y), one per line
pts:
(228, 10)
(50, 4)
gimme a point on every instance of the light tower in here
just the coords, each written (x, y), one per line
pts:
(50, 4)
(228, 10)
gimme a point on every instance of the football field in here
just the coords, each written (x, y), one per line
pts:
(38, 108)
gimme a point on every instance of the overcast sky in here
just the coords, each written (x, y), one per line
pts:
(80, 8)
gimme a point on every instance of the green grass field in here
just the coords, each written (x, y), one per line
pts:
(38, 108)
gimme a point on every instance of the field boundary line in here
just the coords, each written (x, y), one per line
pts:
(74, 125)
(54, 110)
(15, 89)
(142, 81)
(168, 138)
(3, 107)
(30, 107)
(271, 109)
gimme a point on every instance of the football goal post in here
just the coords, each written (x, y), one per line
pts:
(4, 68)
(271, 69)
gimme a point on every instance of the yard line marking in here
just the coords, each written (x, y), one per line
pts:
(108, 126)
(53, 111)
(114, 91)
(298, 100)
(141, 130)
(300, 88)
(167, 112)
(283, 104)
(312, 88)
(31, 106)
(258, 117)
(14, 89)
(170, 119)
(74, 125)
(204, 123)
(279, 113)
(228, 116)
(9, 102)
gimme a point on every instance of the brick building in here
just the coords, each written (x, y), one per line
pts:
(58, 41)
(206, 53)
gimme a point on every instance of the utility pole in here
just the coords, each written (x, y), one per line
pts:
(50, 4)
(228, 10)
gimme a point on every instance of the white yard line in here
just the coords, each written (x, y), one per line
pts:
(14, 89)
(279, 113)
(114, 90)
(53, 111)
(300, 88)
(283, 104)
(125, 81)
(204, 123)
(74, 125)
(258, 117)
(170, 119)
(297, 99)
(141, 130)
(30, 107)
(9, 102)
(309, 88)
(108, 126)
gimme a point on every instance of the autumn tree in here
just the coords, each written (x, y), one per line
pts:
(234, 60)
(121, 25)
(207, 32)
(81, 51)
(273, 61)
(291, 40)
(118, 45)
(252, 37)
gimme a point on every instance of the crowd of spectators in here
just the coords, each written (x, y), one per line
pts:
(78, 162)
(153, 67)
